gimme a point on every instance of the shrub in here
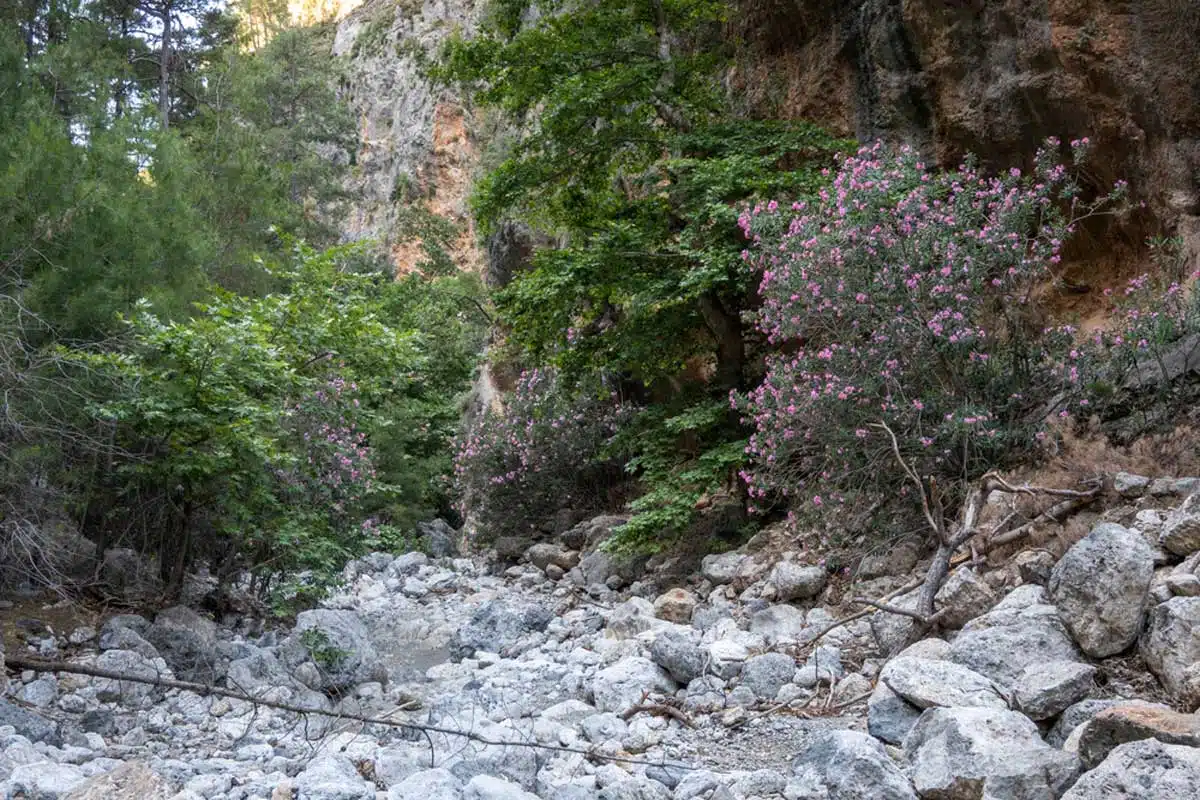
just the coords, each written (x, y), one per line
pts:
(518, 466)
(904, 296)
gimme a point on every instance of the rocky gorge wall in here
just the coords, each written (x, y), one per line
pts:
(416, 155)
(995, 78)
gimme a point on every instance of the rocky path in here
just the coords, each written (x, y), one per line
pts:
(1046, 688)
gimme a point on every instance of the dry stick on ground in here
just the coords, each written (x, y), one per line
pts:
(37, 665)
(949, 541)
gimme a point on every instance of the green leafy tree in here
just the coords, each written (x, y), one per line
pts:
(626, 151)
(256, 433)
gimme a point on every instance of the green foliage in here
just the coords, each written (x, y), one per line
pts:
(683, 458)
(323, 653)
(627, 152)
(275, 426)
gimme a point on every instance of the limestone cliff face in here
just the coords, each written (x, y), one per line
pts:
(995, 77)
(416, 154)
(991, 77)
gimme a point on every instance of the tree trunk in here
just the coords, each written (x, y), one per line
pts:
(164, 69)
(726, 329)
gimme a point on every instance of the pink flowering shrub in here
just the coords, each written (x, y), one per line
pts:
(335, 468)
(904, 296)
(543, 452)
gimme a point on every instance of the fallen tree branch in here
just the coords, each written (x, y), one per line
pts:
(659, 710)
(948, 541)
(891, 609)
(37, 665)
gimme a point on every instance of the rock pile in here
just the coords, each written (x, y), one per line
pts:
(574, 689)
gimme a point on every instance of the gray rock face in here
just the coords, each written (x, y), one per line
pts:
(338, 643)
(984, 752)
(794, 581)
(721, 568)
(260, 670)
(123, 638)
(188, 643)
(621, 685)
(440, 539)
(1145, 770)
(889, 716)
(1100, 587)
(43, 781)
(39, 693)
(963, 597)
(926, 684)
(765, 675)
(330, 777)
(779, 623)
(1045, 690)
(1015, 634)
(129, 663)
(1124, 723)
(27, 724)
(1171, 647)
(682, 659)
(846, 765)
(430, 784)
(892, 631)
(1181, 531)
(497, 625)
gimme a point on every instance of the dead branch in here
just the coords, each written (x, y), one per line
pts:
(658, 710)
(949, 542)
(891, 609)
(37, 665)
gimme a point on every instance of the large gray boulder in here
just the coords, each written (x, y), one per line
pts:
(927, 684)
(258, 670)
(497, 625)
(682, 658)
(440, 539)
(766, 674)
(188, 643)
(794, 581)
(963, 597)
(430, 784)
(779, 624)
(1171, 647)
(722, 568)
(1143, 770)
(889, 716)
(33, 727)
(1101, 586)
(1046, 690)
(1181, 532)
(130, 663)
(336, 641)
(846, 765)
(42, 781)
(622, 685)
(332, 777)
(1019, 632)
(985, 752)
